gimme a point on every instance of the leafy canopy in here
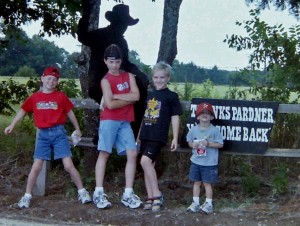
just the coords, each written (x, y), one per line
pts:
(292, 5)
(276, 51)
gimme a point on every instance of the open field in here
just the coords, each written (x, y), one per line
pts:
(218, 91)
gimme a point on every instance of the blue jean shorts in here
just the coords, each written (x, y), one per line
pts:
(207, 174)
(116, 134)
(54, 140)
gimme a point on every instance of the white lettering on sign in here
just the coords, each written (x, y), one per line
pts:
(243, 114)
(250, 114)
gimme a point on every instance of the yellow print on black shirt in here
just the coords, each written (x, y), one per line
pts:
(152, 111)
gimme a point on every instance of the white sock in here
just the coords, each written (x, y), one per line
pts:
(196, 200)
(99, 189)
(80, 191)
(27, 195)
(128, 192)
(209, 201)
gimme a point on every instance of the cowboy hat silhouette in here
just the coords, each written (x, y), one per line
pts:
(120, 13)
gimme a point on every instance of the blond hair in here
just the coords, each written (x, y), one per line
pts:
(164, 67)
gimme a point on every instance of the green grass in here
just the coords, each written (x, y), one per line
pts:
(218, 91)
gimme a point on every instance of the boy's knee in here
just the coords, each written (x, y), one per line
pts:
(145, 161)
(36, 169)
(69, 167)
(131, 154)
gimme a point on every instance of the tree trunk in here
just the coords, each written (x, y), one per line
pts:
(168, 42)
(91, 117)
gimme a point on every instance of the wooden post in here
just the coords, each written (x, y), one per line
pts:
(41, 185)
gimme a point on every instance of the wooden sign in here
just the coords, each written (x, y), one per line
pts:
(245, 125)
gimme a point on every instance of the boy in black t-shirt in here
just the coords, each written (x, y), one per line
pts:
(163, 108)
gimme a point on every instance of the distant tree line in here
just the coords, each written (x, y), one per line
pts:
(35, 53)
(24, 56)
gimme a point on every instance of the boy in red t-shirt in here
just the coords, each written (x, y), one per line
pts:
(120, 92)
(50, 110)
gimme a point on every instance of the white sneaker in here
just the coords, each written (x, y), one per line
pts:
(207, 208)
(101, 200)
(133, 201)
(24, 202)
(84, 197)
(194, 208)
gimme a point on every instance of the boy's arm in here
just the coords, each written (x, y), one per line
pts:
(74, 121)
(175, 129)
(133, 95)
(108, 97)
(17, 118)
(214, 144)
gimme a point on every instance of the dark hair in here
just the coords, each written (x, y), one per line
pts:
(113, 52)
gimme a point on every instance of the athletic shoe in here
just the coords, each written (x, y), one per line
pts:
(101, 200)
(24, 202)
(84, 197)
(133, 201)
(207, 208)
(194, 208)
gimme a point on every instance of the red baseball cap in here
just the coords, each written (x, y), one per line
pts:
(205, 107)
(51, 71)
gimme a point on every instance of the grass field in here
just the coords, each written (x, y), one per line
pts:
(218, 91)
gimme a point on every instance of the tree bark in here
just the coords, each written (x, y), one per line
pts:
(91, 117)
(168, 42)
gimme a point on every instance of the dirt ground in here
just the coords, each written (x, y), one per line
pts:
(60, 207)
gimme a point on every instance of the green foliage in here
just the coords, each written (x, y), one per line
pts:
(276, 51)
(190, 90)
(58, 16)
(194, 74)
(286, 131)
(292, 5)
(234, 93)
(13, 93)
(36, 53)
(69, 87)
(250, 181)
(280, 180)
(25, 71)
(206, 91)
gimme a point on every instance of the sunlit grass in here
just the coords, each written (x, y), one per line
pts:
(219, 91)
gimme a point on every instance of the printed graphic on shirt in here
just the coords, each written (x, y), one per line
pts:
(46, 105)
(123, 86)
(152, 111)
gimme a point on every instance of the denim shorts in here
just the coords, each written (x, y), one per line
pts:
(116, 134)
(54, 140)
(207, 174)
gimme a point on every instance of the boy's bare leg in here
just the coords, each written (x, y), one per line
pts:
(70, 168)
(151, 175)
(196, 188)
(34, 172)
(100, 168)
(208, 190)
(130, 168)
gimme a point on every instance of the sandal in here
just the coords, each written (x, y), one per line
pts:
(148, 204)
(157, 203)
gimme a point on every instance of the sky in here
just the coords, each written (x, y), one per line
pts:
(202, 27)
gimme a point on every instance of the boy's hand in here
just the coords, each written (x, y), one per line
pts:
(174, 145)
(78, 133)
(195, 144)
(8, 129)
